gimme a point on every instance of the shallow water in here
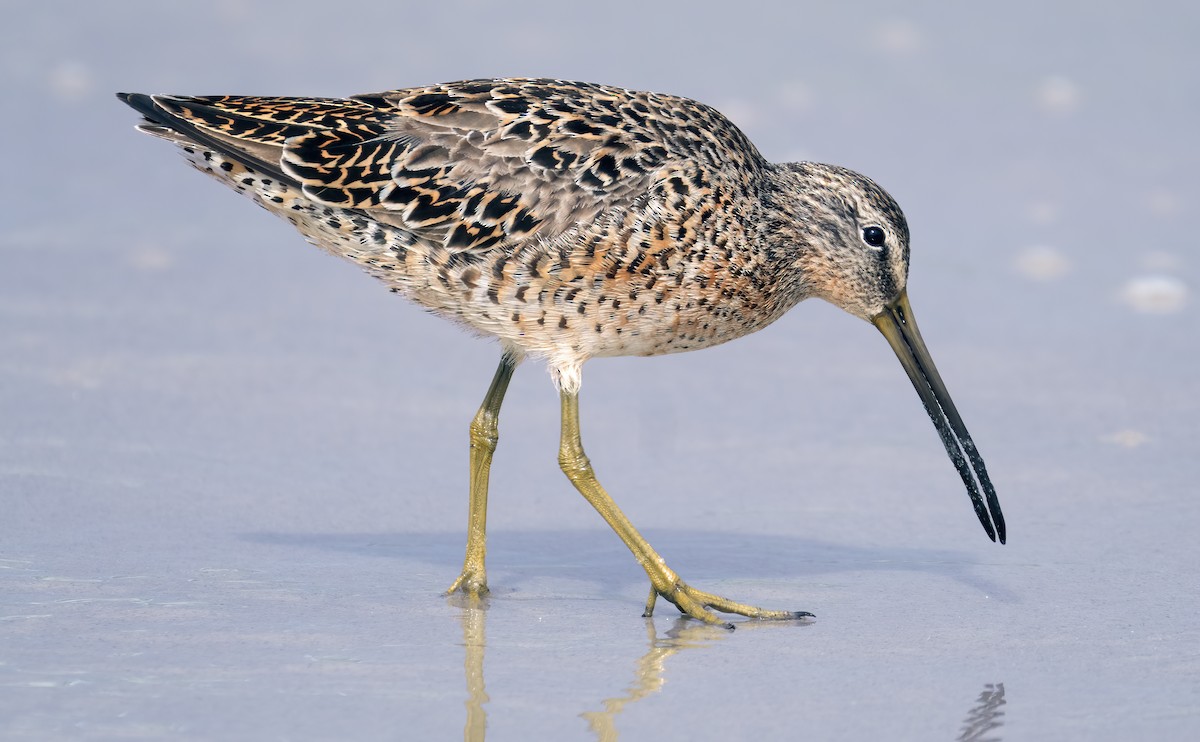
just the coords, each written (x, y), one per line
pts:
(233, 469)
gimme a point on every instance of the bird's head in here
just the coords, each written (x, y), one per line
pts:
(849, 243)
(851, 238)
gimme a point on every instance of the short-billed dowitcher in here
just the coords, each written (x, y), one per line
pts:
(570, 221)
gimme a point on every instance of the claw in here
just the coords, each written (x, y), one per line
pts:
(469, 583)
(697, 604)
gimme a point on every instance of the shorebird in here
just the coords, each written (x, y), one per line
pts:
(570, 221)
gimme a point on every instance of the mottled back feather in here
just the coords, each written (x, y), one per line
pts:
(473, 164)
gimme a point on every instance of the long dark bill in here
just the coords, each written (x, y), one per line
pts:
(898, 326)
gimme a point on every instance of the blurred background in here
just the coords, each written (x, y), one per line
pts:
(233, 469)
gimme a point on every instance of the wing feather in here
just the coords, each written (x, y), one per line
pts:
(476, 163)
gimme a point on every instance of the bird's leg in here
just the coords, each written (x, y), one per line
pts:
(663, 580)
(484, 434)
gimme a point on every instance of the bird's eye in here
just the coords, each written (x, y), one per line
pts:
(874, 236)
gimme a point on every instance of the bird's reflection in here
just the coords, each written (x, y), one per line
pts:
(982, 724)
(474, 628)
(986, 716)
(648, 678)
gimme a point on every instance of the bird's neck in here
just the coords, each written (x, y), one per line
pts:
(787, 236)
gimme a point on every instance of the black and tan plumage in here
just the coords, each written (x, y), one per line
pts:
(570, 221)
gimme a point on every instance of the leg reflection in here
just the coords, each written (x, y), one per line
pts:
(986, 716)
(649, 677)
(474, 640)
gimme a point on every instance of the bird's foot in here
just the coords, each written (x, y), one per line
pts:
(472, 583)
(696, 603)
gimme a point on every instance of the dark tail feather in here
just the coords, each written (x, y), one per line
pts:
(158, 116)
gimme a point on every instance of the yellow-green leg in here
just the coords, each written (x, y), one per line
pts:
(663, 580)
(484, 434)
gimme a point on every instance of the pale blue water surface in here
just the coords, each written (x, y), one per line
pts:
(233, 469)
